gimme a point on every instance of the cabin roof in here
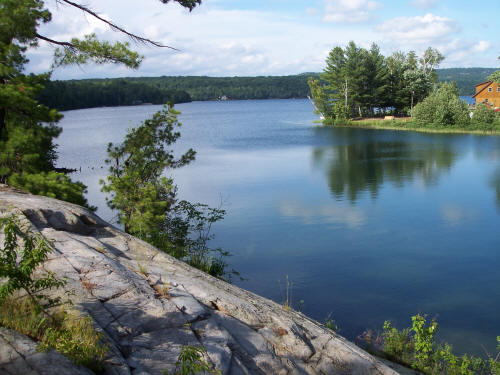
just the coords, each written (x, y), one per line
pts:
(484, 88)
(482, 83)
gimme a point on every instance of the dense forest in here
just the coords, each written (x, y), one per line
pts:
(73, 94)
(66, 95)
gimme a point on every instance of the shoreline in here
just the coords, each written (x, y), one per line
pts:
(392, 125)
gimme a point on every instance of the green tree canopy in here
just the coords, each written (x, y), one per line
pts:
(364, 80)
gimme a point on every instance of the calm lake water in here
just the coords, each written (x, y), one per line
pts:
(368, 225)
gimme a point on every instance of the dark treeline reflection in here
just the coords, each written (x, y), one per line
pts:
(363, 165)
(495, 182)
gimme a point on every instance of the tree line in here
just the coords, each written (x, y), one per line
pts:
(465, 78)
(358, 82)
(88, 93)
(66, 95)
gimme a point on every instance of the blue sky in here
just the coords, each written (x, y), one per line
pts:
(276, 37)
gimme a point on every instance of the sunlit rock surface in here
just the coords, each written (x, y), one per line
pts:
(149, 305)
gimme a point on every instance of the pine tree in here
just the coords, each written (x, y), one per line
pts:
(377, 76)
(27, 128)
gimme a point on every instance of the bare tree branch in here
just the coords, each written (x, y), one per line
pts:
(64, 44)
(115, 27)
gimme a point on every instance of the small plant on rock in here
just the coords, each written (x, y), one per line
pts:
(331, 324)
(18, 265)
(192, 361)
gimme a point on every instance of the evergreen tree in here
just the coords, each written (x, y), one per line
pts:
(355, 77)
(27, 128)
(364, 80)
(334, 75)
(147, 201)
(139, 192)
(376, 82)
(320, 98)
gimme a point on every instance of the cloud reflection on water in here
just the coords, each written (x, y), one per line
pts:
(330, 214)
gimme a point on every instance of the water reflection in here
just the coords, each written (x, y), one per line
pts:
(364, 166)
(495, 183)
(453, 214)
(331, 214)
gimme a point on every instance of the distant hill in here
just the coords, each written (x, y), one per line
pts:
(88, 93)
(466, 78)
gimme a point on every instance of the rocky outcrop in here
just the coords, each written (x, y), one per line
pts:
(149, 305)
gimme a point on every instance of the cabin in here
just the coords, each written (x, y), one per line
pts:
(488, 92)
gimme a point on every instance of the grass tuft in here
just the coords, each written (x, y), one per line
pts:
(143, 269)
(64, 331)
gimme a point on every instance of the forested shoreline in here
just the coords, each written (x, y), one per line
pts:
(67, 95)
(88, 93)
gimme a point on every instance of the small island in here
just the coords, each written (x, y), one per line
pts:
(363, 88)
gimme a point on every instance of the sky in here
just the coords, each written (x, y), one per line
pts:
(273, 37)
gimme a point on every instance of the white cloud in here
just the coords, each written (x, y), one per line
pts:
(349, 11)
(465, 53)
(211, 42)
(482, 46)
(423, 4)
(428, 29)
(311, 11)
(227, 42)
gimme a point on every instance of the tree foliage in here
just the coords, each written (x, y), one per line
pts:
(51, 184)
(139, 192)
(364, 80)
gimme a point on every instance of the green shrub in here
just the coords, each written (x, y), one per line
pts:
(416, 347)
(398, 345)
(483, 114)
(442, 107)
(51, 184)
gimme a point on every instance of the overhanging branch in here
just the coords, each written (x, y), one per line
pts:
(115, 27)
(52, 41)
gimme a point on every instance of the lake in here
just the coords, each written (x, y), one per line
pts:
(367, 225)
